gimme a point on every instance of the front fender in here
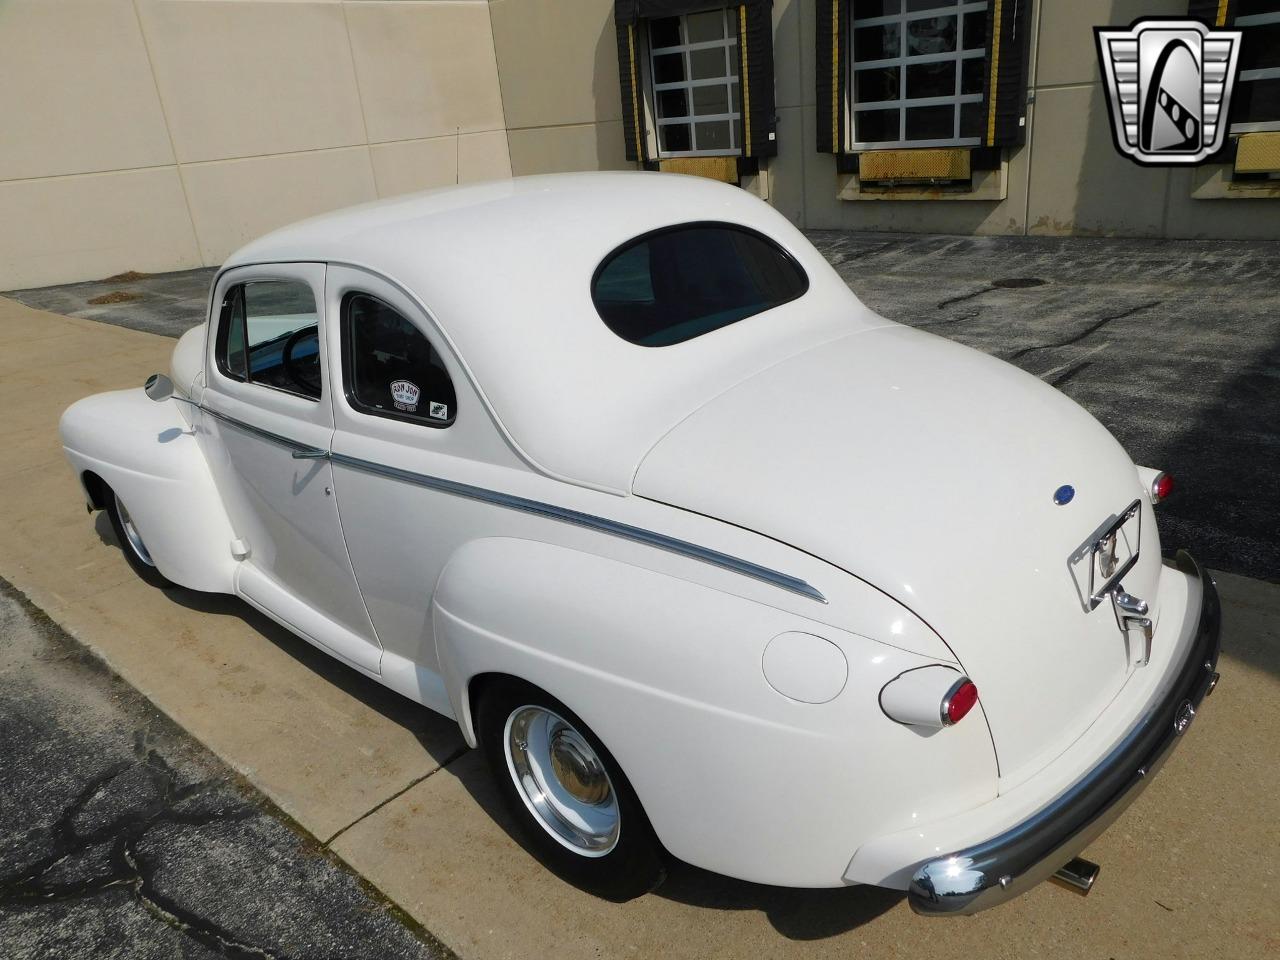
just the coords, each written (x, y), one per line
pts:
(735, 777)
(147, 453)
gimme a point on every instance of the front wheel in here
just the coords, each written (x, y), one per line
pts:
(575, 809)
(135, 551)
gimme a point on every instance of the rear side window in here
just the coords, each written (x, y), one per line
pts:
(269, 335)
(681, 282)
(390, 368)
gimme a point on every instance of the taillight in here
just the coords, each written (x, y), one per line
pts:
(958, 701)
(1161, 487)
(933, 696)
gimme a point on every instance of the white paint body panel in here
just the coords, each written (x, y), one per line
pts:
(928, 469)
(148, 454)
(906, 480)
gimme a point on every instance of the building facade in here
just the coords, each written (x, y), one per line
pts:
(161, 134)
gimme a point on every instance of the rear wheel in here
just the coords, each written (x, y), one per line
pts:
(576, 811)
(135, 551)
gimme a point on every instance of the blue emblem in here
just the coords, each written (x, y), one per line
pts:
(1064, 494)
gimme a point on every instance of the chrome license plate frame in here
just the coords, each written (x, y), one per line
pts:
(1126, 528)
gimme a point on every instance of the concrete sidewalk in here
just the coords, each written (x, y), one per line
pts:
(387, 786)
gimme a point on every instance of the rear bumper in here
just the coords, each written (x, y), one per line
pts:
(991, 872)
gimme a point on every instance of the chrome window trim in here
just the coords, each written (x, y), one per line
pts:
(509, 501)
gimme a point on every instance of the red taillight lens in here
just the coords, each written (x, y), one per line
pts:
(1161, 487)
(959, 701)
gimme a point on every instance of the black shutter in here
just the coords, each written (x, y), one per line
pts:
(1008, 48)
(754, 26)
(629, 81)
(1216, 13)
(832, 53)
(755, 47)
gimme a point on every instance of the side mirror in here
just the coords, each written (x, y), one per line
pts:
(158, 387)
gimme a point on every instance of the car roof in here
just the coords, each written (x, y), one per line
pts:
(505, 269)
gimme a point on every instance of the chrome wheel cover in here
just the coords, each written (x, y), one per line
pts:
(131, 535)
(562, 781)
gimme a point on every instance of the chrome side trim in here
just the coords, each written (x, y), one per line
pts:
(611, 527)
(305, 449)
(591, 522)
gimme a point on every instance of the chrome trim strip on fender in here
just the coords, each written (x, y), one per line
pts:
(612, 527)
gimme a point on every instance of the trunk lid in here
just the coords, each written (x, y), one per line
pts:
(929, 470)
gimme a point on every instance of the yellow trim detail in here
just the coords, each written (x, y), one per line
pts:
(635, 96)
(746, 86)
(1222, 12)
(995, 70)
(1258, 153)
(715, 168)
(930, 164)
(836, 145)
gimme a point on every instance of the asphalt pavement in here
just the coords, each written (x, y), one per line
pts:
(122, 837)
(1173, 344)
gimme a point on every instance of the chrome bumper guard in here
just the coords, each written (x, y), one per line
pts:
(1005, 866)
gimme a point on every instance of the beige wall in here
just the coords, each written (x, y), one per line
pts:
(558, 64)
(162, 134)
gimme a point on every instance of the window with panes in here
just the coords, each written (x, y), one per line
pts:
(1256, 98)
(693, 70)
(916, 73)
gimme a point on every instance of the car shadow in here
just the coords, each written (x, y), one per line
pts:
(797, 914)
(438, 735)
(794, 913)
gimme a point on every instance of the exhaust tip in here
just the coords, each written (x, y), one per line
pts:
(1078, 875)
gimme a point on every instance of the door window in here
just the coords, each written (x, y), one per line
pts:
(269, 335)
(389, 366)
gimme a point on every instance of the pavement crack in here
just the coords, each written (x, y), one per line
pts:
(123, 830)
(191, 924)
(1087, 331)
(1070, 373)
(964, 296)
(461, 751)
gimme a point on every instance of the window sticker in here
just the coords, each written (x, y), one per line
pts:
(405, 394)
(438, 410)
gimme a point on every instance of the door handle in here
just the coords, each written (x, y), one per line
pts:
(310, 453)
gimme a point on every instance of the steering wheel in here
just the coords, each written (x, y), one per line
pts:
(306, 379)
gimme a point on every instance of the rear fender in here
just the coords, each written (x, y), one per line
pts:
(668, 673)
(147, 453)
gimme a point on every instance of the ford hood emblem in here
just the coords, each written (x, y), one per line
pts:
(1064, 494)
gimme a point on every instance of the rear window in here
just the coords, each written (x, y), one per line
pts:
(681, 282)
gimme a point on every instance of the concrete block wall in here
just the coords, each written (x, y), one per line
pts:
(558, 63)
(162, 134)
(1068, 179)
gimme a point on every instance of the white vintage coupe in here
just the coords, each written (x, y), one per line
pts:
(708, 558)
